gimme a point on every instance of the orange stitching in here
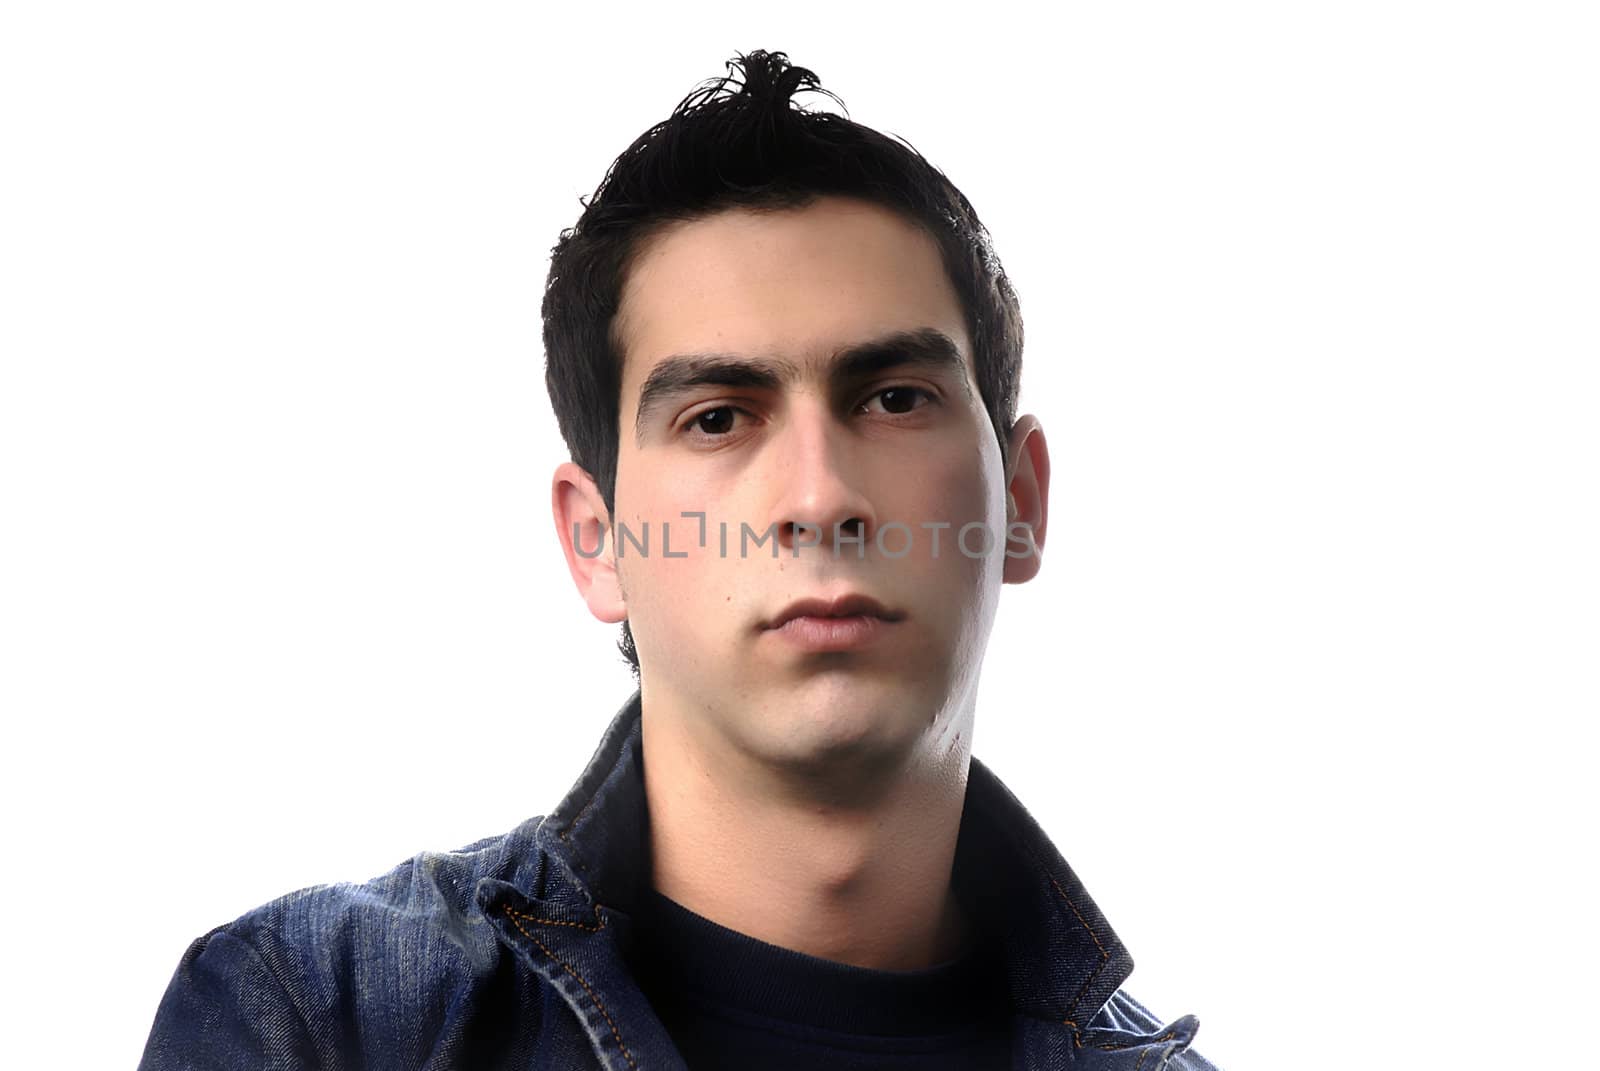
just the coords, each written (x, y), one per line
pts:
(1140, 1064)
(568, 968)
(570, 826)
(1168, 1036)
(1105, 957)
(556, 922)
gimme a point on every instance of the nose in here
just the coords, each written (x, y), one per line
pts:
(822, 500)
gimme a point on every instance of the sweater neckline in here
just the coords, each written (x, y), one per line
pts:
(678, 951)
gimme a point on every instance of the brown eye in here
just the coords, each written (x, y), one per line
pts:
(712, 423)
(898, 400)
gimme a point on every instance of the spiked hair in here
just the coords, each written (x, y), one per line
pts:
(742, 141)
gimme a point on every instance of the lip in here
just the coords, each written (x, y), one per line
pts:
(851, 604)
(843, 623)
(819, 634)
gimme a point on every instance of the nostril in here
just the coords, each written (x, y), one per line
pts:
(818, 534)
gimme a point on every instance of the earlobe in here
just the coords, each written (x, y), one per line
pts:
(583, 527)
(1027, 499)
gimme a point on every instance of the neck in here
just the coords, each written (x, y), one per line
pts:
(856, 877)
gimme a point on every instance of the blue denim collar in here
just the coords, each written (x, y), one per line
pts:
(1063, 961)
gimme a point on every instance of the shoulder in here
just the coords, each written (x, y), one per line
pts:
(1125, 1023)
(422, 913)
(426, 897)
(369, 966)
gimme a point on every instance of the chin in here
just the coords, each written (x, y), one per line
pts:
(842, 721)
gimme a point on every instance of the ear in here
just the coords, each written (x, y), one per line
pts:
(584, 528)
(1027, 499)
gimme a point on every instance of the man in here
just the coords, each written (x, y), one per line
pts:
(785, 360)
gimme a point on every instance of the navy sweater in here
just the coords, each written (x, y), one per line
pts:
(730, 1001)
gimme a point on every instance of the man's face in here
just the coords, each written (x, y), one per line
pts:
(803, 367)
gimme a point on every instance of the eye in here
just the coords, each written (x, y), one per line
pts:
(897, 400)
(712, 423)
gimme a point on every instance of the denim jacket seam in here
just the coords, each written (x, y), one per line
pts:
(1105, 958)
(516, 920)
(1168, 1036)
(288, 997)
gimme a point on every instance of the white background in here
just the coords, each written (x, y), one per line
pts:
(1310, 295)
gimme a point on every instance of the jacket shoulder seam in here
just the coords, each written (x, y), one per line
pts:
(262, 962)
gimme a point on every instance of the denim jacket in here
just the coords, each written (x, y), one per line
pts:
(509, 953)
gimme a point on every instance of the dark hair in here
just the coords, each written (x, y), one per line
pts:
(740, 141)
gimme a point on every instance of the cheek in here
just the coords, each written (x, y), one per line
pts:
(670, 566)
(952, 489)
(953, 486)
(662, 492)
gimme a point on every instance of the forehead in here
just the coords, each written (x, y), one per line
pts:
(796, 284)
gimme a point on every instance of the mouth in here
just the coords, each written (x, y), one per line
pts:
(842, 606)
(838, 624)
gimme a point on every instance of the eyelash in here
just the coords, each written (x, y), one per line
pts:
(690, 426)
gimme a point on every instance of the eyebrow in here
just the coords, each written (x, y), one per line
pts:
(684, 372)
